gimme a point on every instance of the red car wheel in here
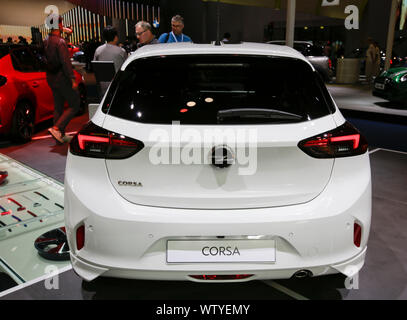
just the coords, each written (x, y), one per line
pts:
(23, 122)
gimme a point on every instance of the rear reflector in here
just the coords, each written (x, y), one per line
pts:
(80, 237)
(95, 142)
(344, 141)
(221, 276)
(357, 234)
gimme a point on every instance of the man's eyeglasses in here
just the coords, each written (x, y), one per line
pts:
(138, 34)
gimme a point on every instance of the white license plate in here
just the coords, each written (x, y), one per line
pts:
(379, 86)
(180, 251)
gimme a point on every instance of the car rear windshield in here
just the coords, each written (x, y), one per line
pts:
(207, 90)
(308, 49)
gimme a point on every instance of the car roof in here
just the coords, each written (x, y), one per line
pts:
(295, 41)
(185, 48)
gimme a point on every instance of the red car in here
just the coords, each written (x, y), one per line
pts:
(25, 97)
(72, 49)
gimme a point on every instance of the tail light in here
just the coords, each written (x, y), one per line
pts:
(95, 142)
(3, 81)
(357, 234)
(221, 277)
(80, 237)
(330, 63)
(344, 141)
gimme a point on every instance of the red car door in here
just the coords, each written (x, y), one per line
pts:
(32, 81)
(45, 91)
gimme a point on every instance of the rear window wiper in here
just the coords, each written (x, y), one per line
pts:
(257, 114)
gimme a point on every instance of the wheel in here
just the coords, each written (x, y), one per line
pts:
(22, 127)
(83, 99)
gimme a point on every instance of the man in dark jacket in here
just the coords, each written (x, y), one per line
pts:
(61, 79)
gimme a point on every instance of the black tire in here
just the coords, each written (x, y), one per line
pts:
(22, 127)
(83, 100)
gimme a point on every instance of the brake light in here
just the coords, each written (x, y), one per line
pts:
(221, 276)
(3, 81)
(330, 63)
(95, 142)
(344, 141)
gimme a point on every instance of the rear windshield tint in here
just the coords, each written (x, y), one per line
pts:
(309, 50)
(196, 89)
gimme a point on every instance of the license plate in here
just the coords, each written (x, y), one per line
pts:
(198, 251)
(379, 86)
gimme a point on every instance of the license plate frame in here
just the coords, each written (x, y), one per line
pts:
(380, 86)
(221, 251)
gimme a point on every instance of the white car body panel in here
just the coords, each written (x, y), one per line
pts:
(282, 175)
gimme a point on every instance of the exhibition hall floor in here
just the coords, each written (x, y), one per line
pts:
(384, 275)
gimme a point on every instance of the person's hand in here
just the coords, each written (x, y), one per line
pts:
(74, 84)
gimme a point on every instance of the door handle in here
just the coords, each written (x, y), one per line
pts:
(35, 84)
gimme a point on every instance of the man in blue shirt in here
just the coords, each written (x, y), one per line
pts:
(176, 35)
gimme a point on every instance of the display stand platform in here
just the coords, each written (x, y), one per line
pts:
(30, 205)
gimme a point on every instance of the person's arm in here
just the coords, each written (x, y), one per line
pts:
(96, 56)
(371, 53)
(163, 38)
(123, 58)
(66, 62)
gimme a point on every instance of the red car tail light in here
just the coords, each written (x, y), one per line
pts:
(221, 276)
(3, 81)
(95, 142)
(344, 141)
(80, 237)
(357, 234)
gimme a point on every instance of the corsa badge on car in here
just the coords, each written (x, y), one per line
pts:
(130, 183)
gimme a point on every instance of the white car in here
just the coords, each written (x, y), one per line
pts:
(217, 163)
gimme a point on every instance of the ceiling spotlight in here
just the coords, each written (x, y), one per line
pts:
(191, 104)
(208, 100)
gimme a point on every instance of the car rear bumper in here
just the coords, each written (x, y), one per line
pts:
(89, 271)
(392, 91)
(127, 240)
(393, 94)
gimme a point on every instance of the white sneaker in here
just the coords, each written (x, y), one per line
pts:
(56, 134)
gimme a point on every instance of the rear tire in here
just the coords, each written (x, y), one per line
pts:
(22, 127)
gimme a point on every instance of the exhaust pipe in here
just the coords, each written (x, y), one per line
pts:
(302, 274)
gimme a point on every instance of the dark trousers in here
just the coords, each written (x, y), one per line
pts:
(62, 93)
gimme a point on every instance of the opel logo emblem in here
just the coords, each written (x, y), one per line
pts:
(222, 157)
